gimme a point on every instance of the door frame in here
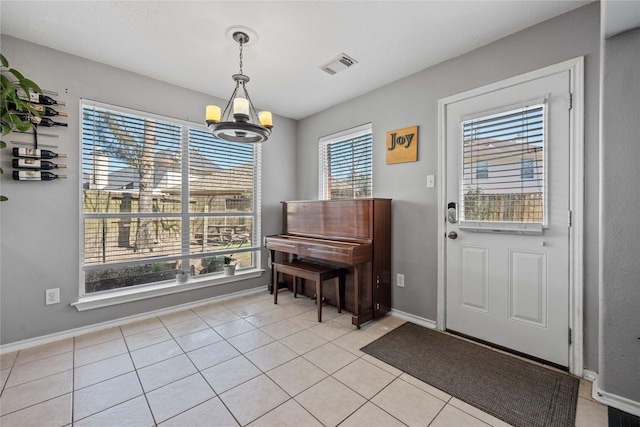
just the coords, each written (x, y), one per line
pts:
(575, 67)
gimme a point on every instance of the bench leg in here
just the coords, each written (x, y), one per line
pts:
(339, 285)
(319, 298)
(275, 284)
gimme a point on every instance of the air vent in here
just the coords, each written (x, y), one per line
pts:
(339, 63)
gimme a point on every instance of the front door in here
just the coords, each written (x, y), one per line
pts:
(508, 221)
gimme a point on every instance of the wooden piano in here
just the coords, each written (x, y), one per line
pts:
(351, 233)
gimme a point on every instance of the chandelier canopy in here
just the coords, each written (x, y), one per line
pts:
(239, 122)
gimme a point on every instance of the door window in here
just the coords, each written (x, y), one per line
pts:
(503, 182)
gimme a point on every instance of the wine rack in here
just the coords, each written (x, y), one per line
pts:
(33, 161)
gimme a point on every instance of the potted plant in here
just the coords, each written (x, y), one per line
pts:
(15, 111)
(228, 267)
(182, 276)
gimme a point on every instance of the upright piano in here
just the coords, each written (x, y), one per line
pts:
(354, 234)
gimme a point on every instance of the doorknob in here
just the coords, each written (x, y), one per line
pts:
(452, 235)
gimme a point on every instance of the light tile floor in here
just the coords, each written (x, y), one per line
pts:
(243, 361)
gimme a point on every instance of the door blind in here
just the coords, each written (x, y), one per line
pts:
(503, 167)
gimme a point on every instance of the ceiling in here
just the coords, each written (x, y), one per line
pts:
(186, 43)
(619, 16)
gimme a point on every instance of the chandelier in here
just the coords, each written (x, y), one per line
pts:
(239, 122)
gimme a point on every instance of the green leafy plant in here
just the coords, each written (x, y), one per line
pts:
(211, 264)
(228, 260)
(15, 112)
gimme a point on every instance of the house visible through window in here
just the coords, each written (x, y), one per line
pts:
(482, 169)
(503, 166)
(161, 196)
(345, 164)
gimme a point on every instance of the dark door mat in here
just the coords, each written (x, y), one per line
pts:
(520, 393)
(618, 418)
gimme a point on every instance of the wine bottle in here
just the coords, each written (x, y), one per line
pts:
(36, 164)
(35, 176)
(45, 110)
(38, 98)
(45, 121)
(35, 153)
(42, 109)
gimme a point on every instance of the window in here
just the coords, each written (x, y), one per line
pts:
(526, 169)
(482, 169)
(161, 196)
(511, 144)
(345, 164)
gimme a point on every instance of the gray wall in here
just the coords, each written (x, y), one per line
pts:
(414, 101)
(40, 225)
(620, 230)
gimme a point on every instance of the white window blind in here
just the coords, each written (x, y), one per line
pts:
(345, 164)
(503, 167)
(160, 196)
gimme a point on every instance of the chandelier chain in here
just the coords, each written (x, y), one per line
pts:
(241, 57)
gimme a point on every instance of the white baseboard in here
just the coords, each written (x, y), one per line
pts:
(427, 323)
(589, 375)
(46, 339)
(622, 403)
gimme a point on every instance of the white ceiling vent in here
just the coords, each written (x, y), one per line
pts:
(339, 63)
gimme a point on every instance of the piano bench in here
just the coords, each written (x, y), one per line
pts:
(317, 273)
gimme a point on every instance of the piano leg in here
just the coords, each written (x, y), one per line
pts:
(274, 278)
(356, 295)
(360, 315)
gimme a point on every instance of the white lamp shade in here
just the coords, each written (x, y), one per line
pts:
(241, 106)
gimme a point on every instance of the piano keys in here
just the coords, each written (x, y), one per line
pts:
(354, 234)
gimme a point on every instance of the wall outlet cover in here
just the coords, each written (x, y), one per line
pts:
(52, 296)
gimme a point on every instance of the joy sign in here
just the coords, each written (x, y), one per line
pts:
(402, 145)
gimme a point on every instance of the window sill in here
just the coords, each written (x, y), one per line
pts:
(126, 295)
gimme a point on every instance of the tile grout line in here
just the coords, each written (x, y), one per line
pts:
(135, 369)
(13, 362)
(367, 400)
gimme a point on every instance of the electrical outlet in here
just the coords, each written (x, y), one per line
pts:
(52, 296)
(400, 280)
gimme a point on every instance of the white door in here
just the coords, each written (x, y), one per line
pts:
(508, 199)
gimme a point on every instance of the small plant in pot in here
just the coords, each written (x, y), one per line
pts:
(229, 266)
(182, 276)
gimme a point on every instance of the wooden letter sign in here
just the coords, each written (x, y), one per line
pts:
(402, 145)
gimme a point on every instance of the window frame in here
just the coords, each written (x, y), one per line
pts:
(89, 300)
(338, 137)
